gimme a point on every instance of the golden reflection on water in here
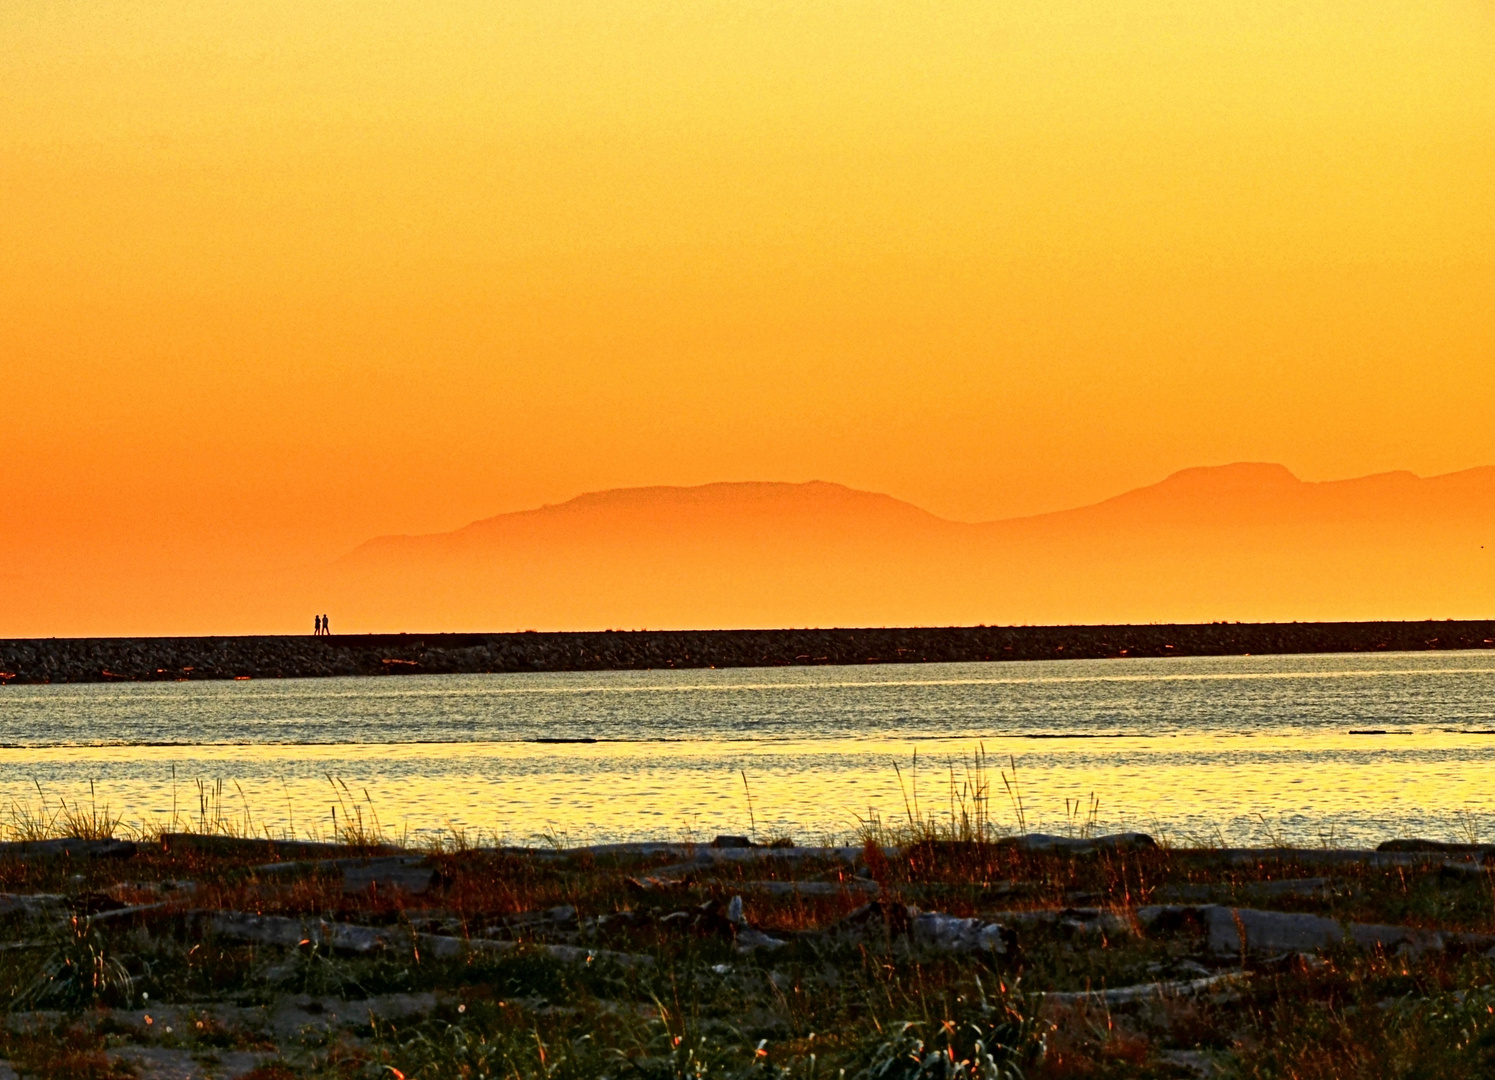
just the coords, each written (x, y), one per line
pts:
(1244, 788)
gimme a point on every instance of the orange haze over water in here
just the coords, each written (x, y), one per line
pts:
(1245, 541)
(276, 278)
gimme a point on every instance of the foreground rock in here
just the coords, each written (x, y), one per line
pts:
(1231, 930)
(210, 957)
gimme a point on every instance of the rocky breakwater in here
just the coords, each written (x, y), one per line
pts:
(42, 660)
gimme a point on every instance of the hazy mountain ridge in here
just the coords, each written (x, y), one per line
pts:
(725, 508)
(1246, 542)
(1270, 495)
(1242, 541)
(1247, 493)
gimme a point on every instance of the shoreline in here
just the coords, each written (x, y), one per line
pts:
(260, 959)
(166, 659)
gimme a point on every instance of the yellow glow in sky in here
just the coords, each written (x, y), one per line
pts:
(277, 277)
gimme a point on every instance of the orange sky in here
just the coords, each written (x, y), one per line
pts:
(278, 277)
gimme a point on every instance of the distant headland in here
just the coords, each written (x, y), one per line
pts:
(1247, 542)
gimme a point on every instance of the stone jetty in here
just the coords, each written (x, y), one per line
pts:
(41, 660)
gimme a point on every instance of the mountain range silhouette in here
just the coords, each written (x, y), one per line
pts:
(1247, 541)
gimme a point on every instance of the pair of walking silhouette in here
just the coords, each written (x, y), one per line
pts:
(320, 622)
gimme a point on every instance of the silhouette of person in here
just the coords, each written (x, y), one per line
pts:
(317, 622)
(325, 632)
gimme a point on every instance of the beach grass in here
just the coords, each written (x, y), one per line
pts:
(818, 1007)
(663, 990)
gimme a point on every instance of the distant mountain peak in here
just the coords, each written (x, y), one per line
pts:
(742, 497)
(769, 504)
(1235, 476)
(730, 492)
(1240, 540)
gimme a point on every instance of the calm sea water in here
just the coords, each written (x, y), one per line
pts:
(1248, 749)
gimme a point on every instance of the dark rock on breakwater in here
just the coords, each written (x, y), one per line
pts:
(40, 660)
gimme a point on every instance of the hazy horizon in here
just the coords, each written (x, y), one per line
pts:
(281, 278)
(584, 497)
(1238, 542)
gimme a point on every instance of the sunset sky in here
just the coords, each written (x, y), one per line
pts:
(278, 277)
